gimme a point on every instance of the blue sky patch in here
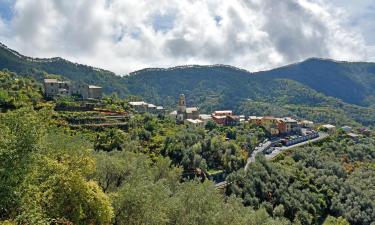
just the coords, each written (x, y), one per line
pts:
(6, 9)
(163, 22)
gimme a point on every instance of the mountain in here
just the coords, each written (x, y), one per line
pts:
(323, 90)
(352, 82)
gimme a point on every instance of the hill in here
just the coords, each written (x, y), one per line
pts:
(352, 82)
(324, 90)
(23, 65)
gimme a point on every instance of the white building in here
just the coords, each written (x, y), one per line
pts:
(195, 123)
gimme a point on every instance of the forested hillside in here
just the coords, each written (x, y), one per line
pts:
(322, 90)
(351, 82)
(40, 68)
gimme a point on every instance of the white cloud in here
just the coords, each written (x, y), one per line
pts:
(125, 35)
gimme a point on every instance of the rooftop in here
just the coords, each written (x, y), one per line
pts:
(223, 112)
(205, 116)
(328, 126)
(94, 87)
(194, 121)
(137, 103)
(54, 81)
(288, 120)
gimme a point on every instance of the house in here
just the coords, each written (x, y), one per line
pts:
(271, 124)
(196, 123)
(329, 128)
(95, 92)
(223, 113)
(143, 107)
(353, 136)
(232, 120)
(307, 124)
(225, 117)
(205, 118)
(55, 88)
(347, 129)
(365, 131)
(140, 107)
(255, 120)
(184, 113)
(219, 119)
(288, 125)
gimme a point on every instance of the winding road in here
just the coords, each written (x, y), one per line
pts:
(279, 150)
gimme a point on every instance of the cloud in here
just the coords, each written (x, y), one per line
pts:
(125, 35)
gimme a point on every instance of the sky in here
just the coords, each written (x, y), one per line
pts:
(128, 35)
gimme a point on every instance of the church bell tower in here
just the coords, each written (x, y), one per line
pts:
(181, 104)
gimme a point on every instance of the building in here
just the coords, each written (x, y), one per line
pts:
(140, 106)
(184, 113)
(255, 120)
(271, 124)
(347, 129)
(365, 131)
(307, 124)
(143, 107)
(219, 119)
(232, 120)
(223, 113)
(94, 92)
(329, 128)
(292, 140)
(225, 118)
(55, 88)
(288, 125)
(196, 123)
(205, 118)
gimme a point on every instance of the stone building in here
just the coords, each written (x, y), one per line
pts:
(55, 88)
(183, 112)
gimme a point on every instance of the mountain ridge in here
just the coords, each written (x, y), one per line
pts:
(313, 82)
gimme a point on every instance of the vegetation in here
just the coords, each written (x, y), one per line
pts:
(51, 174)
(336, 178)
(150, 170)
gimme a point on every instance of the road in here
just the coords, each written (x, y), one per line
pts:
(257, 150)
(279, 150)
(275, 153)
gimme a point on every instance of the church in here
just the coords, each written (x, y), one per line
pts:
(185, 113)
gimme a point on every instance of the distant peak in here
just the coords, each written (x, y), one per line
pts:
(182, 67)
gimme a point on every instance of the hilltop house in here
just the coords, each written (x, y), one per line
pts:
(54, 88)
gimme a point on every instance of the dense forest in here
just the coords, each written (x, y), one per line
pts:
(54, 170)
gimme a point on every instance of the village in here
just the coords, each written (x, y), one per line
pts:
(283, 132)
